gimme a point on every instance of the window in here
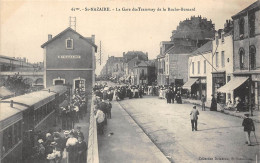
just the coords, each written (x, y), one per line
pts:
(241, 58)
(222, 38)
(252, 56)
(228, 78)
(192, 67)
(222, 59)
(216, 59)
(198, 67)
(69, 43)
(251, 24)
(241, 28)
(205, 68)
(7, 139)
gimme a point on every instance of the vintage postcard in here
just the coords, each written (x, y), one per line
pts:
(115, 81)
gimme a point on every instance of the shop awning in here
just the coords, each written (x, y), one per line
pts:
(232, 84)
(189, 83)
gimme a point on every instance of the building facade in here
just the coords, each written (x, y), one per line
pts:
(222, 61)
(247, 54)
(200, 69)
(69, 59)
(144, 73)
(173, 60)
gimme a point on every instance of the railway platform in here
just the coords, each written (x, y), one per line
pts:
(124, 141)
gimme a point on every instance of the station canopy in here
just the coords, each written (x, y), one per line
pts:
(189, 83)
(232, 84)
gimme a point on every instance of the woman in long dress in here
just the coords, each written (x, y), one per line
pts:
(213, 106)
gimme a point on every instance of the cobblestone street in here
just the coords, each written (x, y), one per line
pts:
(219, 136)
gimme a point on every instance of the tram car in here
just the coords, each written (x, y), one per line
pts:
(22, 116)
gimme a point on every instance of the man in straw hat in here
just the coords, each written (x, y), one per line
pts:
(194, 118)
(248, 127)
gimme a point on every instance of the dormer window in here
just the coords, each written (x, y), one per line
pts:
(69, 43)
(222, 38)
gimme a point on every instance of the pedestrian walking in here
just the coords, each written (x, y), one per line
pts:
(172, 95)
(194, 118)
(248, 127)
(203, 100)
(168, 96)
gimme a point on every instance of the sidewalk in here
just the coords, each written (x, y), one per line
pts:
(124, 141)
(255, 117)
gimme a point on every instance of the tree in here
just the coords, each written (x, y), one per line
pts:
(16, 84)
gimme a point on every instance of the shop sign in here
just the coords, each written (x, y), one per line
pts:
(218, 75)
(69, 56)
(256, 77)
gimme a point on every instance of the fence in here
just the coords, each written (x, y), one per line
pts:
(92, 138)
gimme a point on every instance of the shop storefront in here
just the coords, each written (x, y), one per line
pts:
(256, 85)
(218, 80)
(195, 88)
(239, 87)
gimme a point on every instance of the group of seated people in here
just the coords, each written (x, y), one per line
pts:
(237, 105)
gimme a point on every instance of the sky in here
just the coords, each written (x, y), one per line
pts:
(25, 24)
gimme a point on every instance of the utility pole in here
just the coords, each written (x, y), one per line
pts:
(100, 54)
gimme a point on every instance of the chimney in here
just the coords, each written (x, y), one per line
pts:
(12, 103)
(49, 37)
(93, 38)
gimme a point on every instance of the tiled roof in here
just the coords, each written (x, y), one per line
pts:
(203, 49)
(194, 34)
(132, 54)
(69, 29)
(160, 56)
(251, 7)
(180, 49)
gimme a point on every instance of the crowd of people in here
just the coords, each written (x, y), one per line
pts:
(67, 144)
(72, 110)
(170, 94)
(61, 146)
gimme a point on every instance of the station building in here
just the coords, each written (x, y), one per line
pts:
(69, 59)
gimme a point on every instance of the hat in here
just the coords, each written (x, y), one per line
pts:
(40, 141)
(48, 134)
(247, 114)
(53, 143)
(78, 127)
(66, 132)
(194, 106)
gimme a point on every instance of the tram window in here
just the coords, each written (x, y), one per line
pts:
(7, 139)
(45, 112)
(36, 116)
(41, 113)
(19, 135)
(15, 133)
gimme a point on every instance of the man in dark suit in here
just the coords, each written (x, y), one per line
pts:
(248, 127)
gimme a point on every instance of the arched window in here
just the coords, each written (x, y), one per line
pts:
(241, 58)
(252, 57)
(241, 27)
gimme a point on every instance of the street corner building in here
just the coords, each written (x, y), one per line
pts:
(69, 59)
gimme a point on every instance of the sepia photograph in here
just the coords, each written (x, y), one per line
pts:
(129, 81)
